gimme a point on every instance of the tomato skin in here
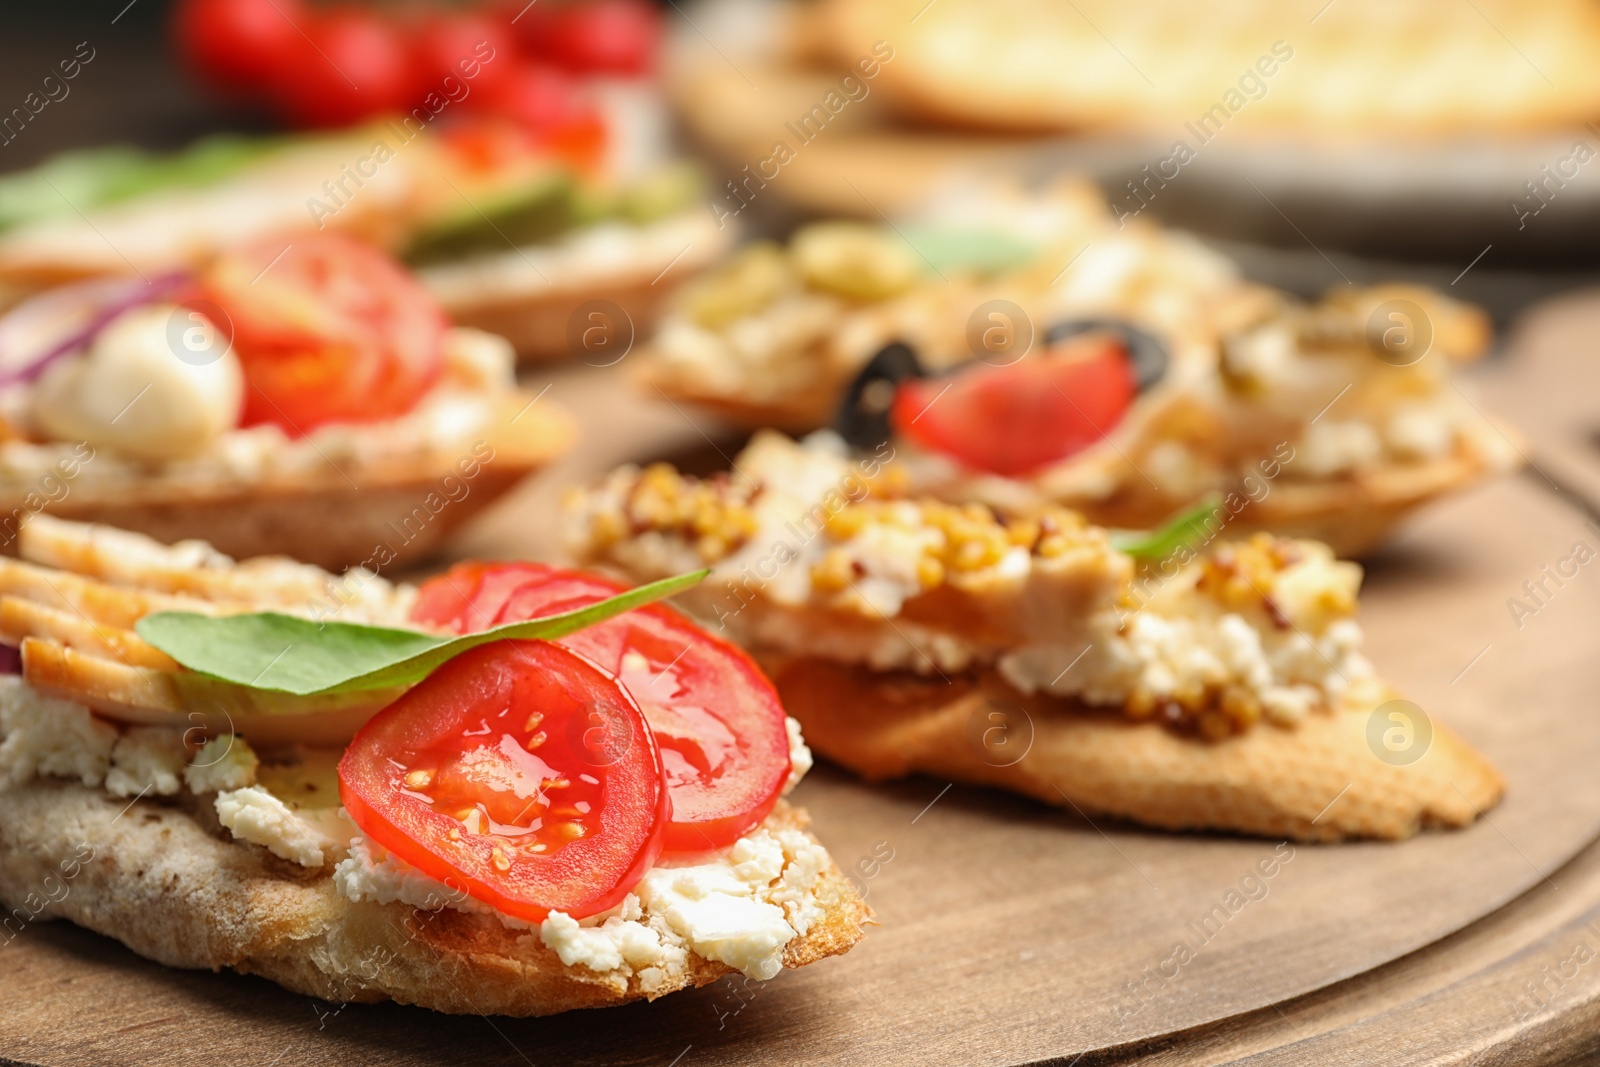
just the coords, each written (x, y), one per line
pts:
(1015, 419)
(238, 45)
(332, 331)
(551, 108)
(520, 865)
(599, 37)
(718, 720)
(538, 97)
(474, 49)
(350, 65)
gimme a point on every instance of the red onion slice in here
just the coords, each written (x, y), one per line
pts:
(60, 321)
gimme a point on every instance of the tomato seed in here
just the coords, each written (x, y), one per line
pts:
(419, 779)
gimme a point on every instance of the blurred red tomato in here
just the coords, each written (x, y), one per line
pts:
(351, 64)
(477, 49)
(487, 143)
(602, 36)
(540, 98)
(238, 45)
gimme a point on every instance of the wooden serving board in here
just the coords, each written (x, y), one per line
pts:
(1011, 933)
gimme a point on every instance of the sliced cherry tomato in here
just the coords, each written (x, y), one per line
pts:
(238, 45)
(349, 65)
(602, 36)
(328, 330)
(716, 717)
(1015, 419)
(518, 772)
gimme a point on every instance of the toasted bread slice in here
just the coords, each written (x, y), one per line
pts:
(376, 495)
(1037, 66)
(164, 880)
(1350, 401)
(169, 875)
(549, 301)
(528, 293)
(1184, 680)
(1321, 781)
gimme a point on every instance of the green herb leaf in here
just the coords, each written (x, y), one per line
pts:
(94, 177)
(1186, 530)
(287, 654)
(981, 251)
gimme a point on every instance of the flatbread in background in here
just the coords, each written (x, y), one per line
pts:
(1345, 66)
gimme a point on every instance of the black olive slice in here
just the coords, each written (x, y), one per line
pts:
(1147, 351)
(862, 418)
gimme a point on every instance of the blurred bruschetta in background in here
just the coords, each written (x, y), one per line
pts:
(307, 399)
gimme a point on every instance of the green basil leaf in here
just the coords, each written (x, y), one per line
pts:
(1187, 529)
(287, 654)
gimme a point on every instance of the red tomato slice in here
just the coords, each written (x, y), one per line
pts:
(718, 721)
(331, 330)
(518, 772)
(1015, 419)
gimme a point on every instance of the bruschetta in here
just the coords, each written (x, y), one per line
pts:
(508, 236)
(511, 832)
(1188, 680)
(1122, 371)
(301, 396)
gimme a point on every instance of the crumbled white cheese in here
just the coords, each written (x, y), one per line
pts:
(1420, 431)
(49, 737)
(799, 754)
(224, 762)
(887, 555)
(795, 890)
(716, 913)
(1179, 472)
(369, 872)
(742, 908)
(622, 942)
(1265, 356)
(1330, 448)
(802, 488)
(147, 760)
(480, 359)
(256, 816)
(1162, 657)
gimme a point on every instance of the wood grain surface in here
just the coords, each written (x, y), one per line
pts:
(1014, 934)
